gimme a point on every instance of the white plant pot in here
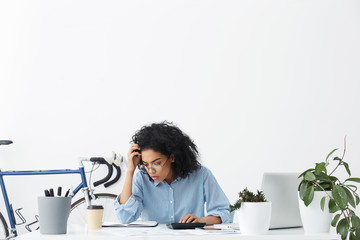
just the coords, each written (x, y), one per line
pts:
(254, 217)
(313, 218)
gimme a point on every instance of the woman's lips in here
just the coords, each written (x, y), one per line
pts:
(154, 177)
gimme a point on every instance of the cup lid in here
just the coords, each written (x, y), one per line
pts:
(95, 207)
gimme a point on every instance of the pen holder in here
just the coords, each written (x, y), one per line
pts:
(53, 214)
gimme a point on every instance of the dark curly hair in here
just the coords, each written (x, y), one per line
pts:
(169, 140)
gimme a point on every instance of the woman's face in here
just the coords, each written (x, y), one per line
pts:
(158, 165)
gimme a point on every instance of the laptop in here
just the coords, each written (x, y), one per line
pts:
(281, 189)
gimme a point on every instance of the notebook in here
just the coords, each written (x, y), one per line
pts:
(281, 189)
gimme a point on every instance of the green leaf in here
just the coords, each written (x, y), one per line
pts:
(311, 169)
(236, 206)
(342, 228)
(350, 197)
(353, 180)
(308, 195)
(331, 153)
(357, 200)
(326, 186)
(320, 167)
(302, 190)
(322, 203)
(309, 176)
(346, 165)
(335, 220)
(355, 221)
(352, 186)
(357, 233)
(333, 179)
(352, 236)
(337, 159)
(332, 206)
(323, 177)
(340, 196)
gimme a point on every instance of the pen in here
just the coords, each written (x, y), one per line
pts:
(59, 191)
(47, 194)
(67, 192)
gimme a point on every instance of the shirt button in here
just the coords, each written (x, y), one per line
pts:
(170, 201)
(172, 216)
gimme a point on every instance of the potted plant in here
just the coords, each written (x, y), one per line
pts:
(339, 197)
(254, 212)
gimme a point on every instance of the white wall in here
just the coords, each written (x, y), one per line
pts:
(259, 85)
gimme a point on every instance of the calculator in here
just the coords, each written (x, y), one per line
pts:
(185, 225)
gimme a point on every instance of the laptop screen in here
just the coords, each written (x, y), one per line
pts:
(282, 190)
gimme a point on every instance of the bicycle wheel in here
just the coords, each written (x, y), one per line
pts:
(78, 208)
(4, 231)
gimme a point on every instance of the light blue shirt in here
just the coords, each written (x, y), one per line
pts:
(166, 203)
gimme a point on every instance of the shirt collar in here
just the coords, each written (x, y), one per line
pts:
(157, 183)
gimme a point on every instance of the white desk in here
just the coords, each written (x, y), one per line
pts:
(161, 232)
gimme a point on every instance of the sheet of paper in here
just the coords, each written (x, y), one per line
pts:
(164, 230)
(132, 224)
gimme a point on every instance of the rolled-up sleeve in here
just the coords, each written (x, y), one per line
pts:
(131, 210)
(217, 204)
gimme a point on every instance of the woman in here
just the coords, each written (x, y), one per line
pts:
(172, 185)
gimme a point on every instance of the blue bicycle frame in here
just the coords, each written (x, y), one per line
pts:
(82, 185)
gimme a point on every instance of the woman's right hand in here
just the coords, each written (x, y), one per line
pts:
(133, 157)
(133, 160)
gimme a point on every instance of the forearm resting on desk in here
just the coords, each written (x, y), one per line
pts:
(210, 220)
(192, 218)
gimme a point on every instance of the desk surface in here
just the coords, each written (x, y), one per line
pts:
(162, 232)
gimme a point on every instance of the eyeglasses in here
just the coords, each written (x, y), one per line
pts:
(157, 167)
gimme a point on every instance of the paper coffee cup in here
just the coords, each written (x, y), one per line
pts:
(95, 215)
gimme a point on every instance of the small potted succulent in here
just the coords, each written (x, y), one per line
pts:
(253, 211)
(321, 189)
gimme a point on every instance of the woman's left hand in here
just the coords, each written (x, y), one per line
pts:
(190, 218)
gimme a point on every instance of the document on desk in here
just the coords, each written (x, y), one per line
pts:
(132, 224)
(163, 230)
